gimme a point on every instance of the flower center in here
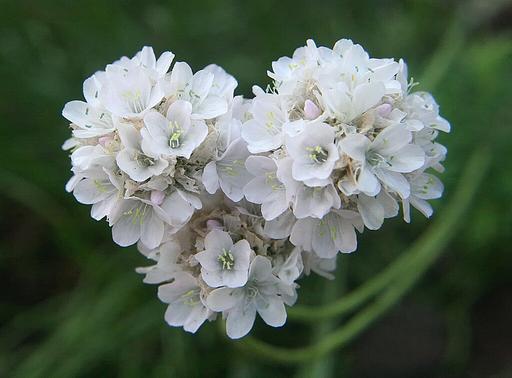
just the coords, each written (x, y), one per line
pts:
(376, 159)
(144, 161)
(318, 154)
(176, 133)
(226, 259)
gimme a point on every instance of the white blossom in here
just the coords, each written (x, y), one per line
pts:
(259, 295)
(222, 262)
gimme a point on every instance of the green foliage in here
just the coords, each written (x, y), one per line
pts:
(72, 305)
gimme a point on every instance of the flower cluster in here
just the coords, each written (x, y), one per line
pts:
(233, 199)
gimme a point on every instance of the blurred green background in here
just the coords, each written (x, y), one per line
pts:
(71, 304)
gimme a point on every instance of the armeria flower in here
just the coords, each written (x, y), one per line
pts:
(129, 92)
(156, 68)
(198, 89)
(137, 218)
(97, 187)
(264, 132)
(173, 135)
(424, 187)
(313, 152)
(260, 294)
(327, 236)
(333, 146)
(307, 201)
(166, 256)
(265, 188)
(186, 308)
(137, 164)
(228, 171)
(384, 159)
(222, 262)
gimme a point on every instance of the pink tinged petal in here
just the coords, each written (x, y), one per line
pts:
(240, 320)
(383, 110)
(311, 111)
(105, 140)
(213, 224)
(157, 197)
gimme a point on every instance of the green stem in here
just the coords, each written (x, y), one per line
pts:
(424, 252)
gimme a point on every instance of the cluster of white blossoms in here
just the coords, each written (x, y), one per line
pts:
(233, 199)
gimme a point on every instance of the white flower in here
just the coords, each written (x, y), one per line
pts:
(385, 158)
(373, 210)
(129, 92)
(173, 135)
(97, 187)
(136, 218)
(146, 59)
(228, 172)
(264, 132)
(291, 268)
(138, 165)
(208, 101)
(222, 263)
(424, 186)
(335, 232)
(260, 294)
(307, 201)
(186, 308)
(265, 188)
(313, 152)
(167, 265)
(90, 121)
